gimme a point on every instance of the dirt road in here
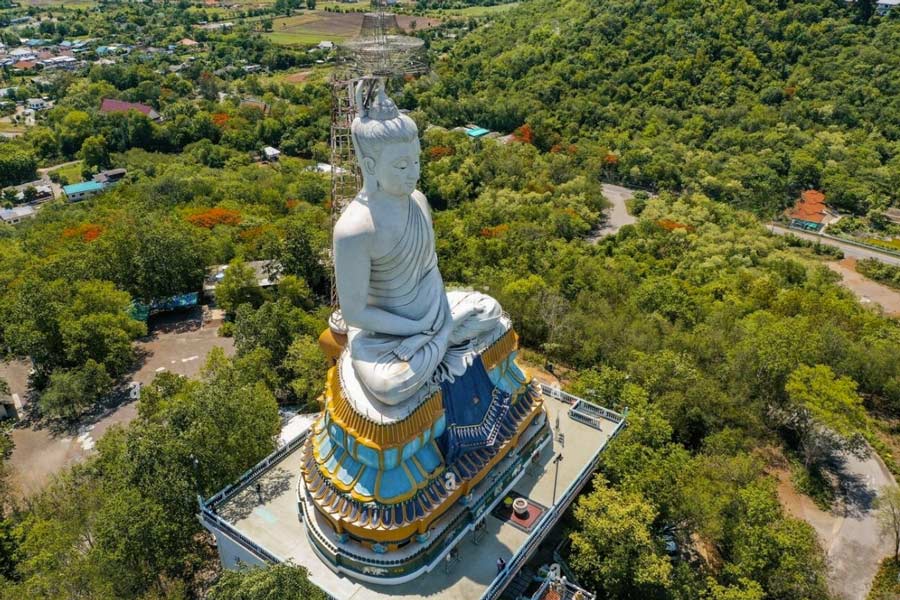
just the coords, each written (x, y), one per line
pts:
(617, 216)
(866, 290)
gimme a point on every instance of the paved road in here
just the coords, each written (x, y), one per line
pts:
(178, 346)
(857, 548)
(617, 216)
(849, 249)
(849, 533)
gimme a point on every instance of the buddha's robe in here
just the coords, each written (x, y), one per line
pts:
(406, 282)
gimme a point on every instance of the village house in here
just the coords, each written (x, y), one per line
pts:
(810, 213)
(81, 191)
(66, 63)
(37, 104)
(24, 65)
(271, 154)
(17, 214)
(110, 176)
(883, 7)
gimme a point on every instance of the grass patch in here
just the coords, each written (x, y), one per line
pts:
(886, 585)
(9, 127)
(890, 245)
(814, 483)
(293, 38)
(71, 173)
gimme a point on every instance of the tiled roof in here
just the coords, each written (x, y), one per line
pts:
(810, 207)
(109, 105)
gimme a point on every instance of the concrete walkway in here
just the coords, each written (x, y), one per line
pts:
(850, 250)
(617, 216)
(866, 290)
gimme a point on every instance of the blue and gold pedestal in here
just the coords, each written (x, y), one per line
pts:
(382, 486)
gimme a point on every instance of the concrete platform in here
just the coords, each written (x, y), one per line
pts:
(258, 525)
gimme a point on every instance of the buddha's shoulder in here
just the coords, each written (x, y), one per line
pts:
(356, 221)
(420, 199)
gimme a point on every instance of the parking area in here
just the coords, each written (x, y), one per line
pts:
(177, 343)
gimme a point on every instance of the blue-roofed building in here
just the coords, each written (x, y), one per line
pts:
(80, 191)
(477, 132)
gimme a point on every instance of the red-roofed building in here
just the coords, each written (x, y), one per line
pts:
(24, 65)
(810, 212)
(110, 105)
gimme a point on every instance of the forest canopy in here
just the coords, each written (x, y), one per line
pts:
(746, 101)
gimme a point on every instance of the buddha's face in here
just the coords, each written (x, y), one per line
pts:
(397, 168)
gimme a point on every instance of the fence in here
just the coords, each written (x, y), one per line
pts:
(552, 516)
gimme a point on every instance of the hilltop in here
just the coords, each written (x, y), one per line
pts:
(746, 101)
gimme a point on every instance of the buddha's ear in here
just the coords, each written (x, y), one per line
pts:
(369, 165)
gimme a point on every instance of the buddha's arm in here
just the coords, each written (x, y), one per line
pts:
(352, 267)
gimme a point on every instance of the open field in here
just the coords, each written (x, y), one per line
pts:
(315, 26)
(71, 171)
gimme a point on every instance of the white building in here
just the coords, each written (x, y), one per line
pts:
(17, 214)
(883, 7)
(271, 154)
(38, 104)
(60, 62)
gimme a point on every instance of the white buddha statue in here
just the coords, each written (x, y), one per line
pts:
(400, 321)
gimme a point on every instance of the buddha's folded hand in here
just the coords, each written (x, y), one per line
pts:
(408, 347)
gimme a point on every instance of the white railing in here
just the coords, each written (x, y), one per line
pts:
(254, 472)
(552, 516)
(209, 517)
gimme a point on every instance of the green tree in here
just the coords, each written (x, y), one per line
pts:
(614, 550)
(72, 391)
(16, 165)
(782, 554)
(239, 286)
(123, 525)
(825, 411)
(296, 291)
(75, 127)
(887, 505)
(745, 590)
(300, 255)
(283, 580)
(95, 152)
(306, 366)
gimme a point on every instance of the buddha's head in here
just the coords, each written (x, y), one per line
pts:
(387, 147)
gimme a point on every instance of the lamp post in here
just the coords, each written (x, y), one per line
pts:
(195, 465)
(556, 461)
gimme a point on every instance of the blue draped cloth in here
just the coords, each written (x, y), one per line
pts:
(475, 409)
